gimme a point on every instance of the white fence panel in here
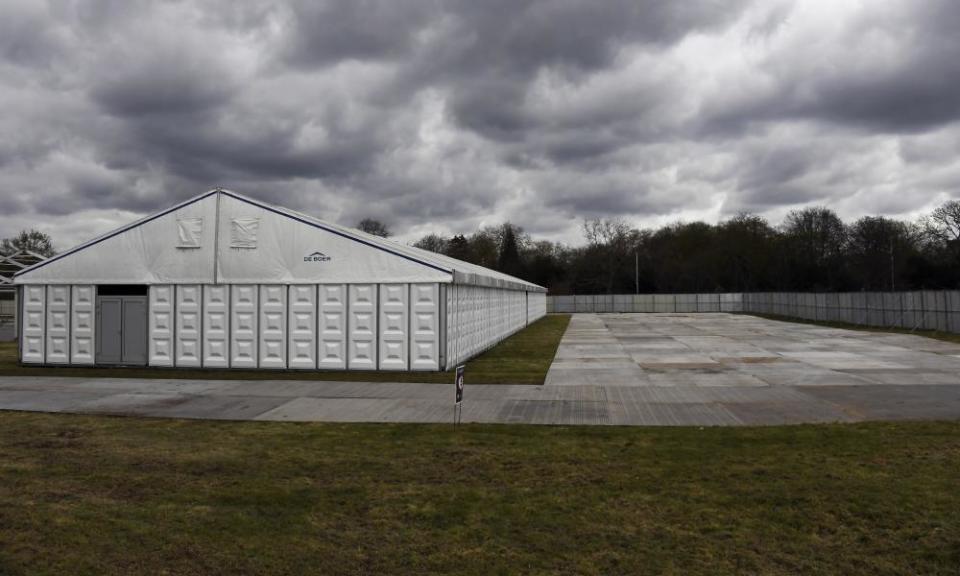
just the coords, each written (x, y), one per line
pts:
(953, 305)
(82, 325)
(538, 305)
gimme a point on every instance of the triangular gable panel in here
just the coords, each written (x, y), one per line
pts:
(283, 246)
(176, 245)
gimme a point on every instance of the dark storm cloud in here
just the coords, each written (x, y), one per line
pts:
(325, 33)
(457, 113)
(901, 74)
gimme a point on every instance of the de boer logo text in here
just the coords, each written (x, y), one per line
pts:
(316, 257)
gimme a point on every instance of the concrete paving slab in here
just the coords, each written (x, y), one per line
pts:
(915, 402)
(698, 370)
(43, 400)
(675, 349)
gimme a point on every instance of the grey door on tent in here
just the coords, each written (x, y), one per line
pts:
(121, 330)
(134, 330)
(109, 330)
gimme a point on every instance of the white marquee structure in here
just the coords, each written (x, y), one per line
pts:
(226, 281)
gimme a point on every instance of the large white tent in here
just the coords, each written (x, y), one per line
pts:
(226, 281)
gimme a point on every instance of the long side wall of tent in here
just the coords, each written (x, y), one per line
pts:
(478, 318)
(370, 326)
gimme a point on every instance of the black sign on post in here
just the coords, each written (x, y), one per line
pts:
(458, 405)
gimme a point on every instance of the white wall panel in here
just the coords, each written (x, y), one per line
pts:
(332, 337)
(480, 317)
(362, 332)
(34, 320)
(82, 325)
(216, 329)
(160, 341)
(188, 338)
(536, 306)
(424, 327)
(273, 326)
(302, 325)
(243, 326)
(58, 324)
(394, 326)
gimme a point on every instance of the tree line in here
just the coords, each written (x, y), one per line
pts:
(811, 250)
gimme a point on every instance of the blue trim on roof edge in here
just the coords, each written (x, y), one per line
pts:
(332, 231)
(110, 235)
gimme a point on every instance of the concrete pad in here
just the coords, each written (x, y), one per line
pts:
(916, 402)
(697, 369)
(42, 400)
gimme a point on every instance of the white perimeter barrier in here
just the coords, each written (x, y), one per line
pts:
(913, 310)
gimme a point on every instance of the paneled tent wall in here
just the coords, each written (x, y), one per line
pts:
(478, 317)
(231, 282)
(391, 326)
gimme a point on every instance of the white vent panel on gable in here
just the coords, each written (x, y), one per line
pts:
(189, 231)
(243, 232)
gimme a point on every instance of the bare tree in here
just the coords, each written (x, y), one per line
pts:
(613, 242)
(603, 231)
(433, 243)
(944, 221)
(375, 227)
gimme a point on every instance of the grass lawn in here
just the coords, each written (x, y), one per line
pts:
(935, 334)
(524, 358)
(111, 495)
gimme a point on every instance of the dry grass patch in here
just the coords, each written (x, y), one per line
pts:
(109, 495)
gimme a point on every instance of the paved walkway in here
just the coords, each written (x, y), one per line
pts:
(637, 369)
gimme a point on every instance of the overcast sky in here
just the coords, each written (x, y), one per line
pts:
(447, 115)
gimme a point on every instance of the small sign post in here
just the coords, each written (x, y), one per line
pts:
(458, 404)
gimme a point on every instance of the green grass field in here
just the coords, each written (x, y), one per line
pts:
(119, 496)
(524, 358)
